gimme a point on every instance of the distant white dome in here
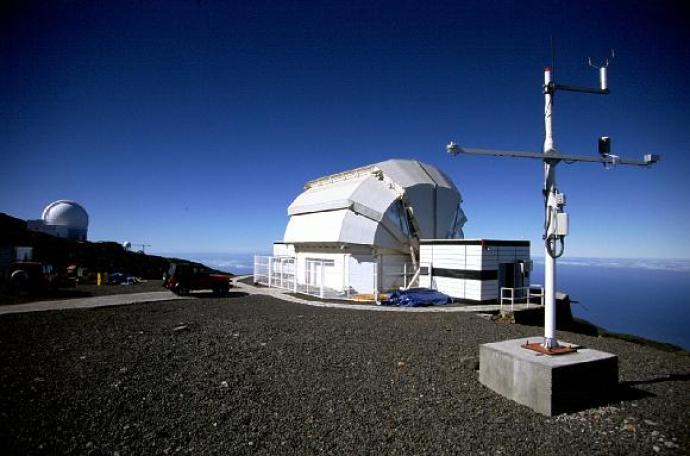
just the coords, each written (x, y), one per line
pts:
(66, 213)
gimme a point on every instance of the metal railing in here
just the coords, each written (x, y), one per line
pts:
(522, 295)
(326, 280)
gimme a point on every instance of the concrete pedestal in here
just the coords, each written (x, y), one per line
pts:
(548, 384)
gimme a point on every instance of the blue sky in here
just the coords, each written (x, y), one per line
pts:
(191, 125)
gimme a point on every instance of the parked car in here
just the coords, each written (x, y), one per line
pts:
(185, 277)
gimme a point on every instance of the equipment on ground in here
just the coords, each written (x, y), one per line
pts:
(30, 277)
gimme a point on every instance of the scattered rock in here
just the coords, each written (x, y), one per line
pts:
(470, 362)
(629, 428)
(304, 392)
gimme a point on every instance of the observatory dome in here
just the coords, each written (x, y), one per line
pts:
(384, 205)
(66, 213)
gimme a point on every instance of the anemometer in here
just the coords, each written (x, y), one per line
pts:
(555, 217)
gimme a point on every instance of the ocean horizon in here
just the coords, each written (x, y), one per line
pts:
(646, 297)
(638, 296)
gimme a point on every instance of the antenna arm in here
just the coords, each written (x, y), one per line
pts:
(572, 88)
(551, 157)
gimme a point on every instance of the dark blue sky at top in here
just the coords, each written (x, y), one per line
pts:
(192, 125)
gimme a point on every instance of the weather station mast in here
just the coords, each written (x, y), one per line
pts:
(555, 218)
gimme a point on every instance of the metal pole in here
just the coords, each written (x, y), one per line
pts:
(294, 274)
(405, 275)
(322, 280)
(556, 220)
(270, 261)
(549, 187)
(376, 279)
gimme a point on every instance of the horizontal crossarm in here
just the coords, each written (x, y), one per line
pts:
(454, 149)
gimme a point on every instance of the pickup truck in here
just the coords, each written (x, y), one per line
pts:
(185, 277)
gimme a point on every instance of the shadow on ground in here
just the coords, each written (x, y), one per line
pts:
(212, 295)
(661, 379)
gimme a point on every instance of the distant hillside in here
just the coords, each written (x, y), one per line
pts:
(96, 256)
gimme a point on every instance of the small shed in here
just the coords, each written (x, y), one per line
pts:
(474, 270)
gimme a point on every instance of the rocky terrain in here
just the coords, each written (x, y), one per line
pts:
(254, 375)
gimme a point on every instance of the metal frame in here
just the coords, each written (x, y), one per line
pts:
(553, 157)
(272, 272)
(527, 295)
(554, 200)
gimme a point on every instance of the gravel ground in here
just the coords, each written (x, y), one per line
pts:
(254, 375)
(82, 291)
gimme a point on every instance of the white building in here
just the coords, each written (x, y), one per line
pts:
(475, 270)
(62, 218)
(358, 231)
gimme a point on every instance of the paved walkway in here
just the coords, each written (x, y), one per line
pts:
(285, 295)
(153, 296)
(91, 302)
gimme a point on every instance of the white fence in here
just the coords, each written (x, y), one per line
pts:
(326, 280)
(522, 295)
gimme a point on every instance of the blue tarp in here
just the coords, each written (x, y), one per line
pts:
(417, 297)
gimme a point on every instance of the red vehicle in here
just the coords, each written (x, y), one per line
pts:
(185, 277)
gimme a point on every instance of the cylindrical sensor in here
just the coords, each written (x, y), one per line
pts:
(604, 145)
(603, 78)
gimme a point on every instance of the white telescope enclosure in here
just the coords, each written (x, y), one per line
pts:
(358, 231)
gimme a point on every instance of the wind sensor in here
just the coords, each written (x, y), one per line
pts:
(555, 218)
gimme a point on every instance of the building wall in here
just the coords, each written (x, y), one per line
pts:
(468, 271)
(353, 269)
(57, 230)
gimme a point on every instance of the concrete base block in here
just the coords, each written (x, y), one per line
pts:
(548, 384)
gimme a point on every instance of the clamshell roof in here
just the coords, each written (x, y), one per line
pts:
(386, 205)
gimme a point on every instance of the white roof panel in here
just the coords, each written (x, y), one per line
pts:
(360, 206)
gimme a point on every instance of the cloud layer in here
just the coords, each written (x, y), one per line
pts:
(630, 263)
